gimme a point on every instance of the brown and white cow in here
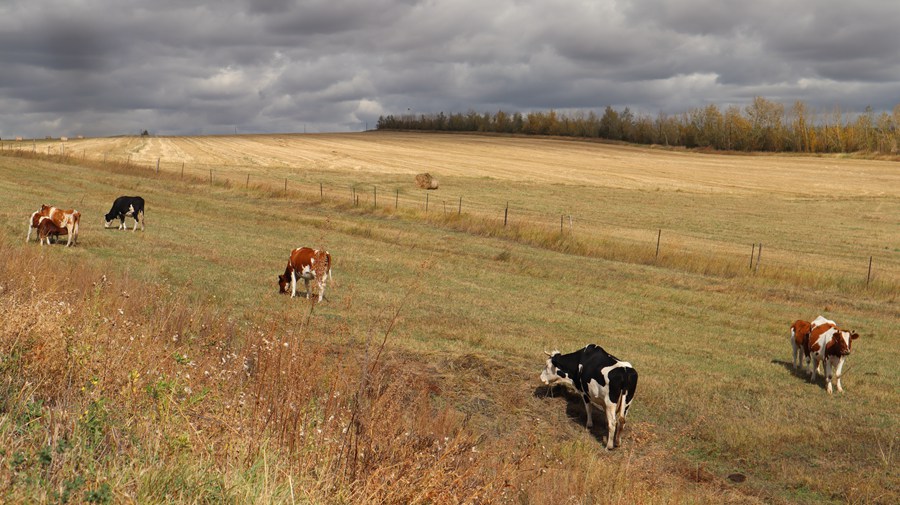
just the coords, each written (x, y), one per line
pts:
(307, 264)
(47, 227)
(830, 345)
(68, 219)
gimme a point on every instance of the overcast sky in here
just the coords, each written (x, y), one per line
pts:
(109, 67)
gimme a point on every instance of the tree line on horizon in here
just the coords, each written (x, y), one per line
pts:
(763, 125)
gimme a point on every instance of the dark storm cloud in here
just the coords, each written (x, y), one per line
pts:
(103, 67)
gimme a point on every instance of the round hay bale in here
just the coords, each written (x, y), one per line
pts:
(426, 181)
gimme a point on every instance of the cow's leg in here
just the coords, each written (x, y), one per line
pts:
(621, 410)
(813, 366)
(28, 237)
(321, 284)
(838, 373)
(306, 283)
(796, 353)
(142, 220)
(122, 223)
(826, 363)
(293, 283)
(611, 435)
(587, 408)
(70, 227)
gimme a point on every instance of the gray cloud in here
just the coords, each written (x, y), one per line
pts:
(105, 67)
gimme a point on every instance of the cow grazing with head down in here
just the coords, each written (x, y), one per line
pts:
(307, 264)
(47, 227)
(68, 219)
(830, 345)
(601, 378)
(126, 206)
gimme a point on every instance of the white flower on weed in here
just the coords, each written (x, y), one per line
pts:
(121, 312)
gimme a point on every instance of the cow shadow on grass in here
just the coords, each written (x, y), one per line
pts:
(802, 372)
(574, 408)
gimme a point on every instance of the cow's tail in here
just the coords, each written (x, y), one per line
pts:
(620, 409)
(629, 387)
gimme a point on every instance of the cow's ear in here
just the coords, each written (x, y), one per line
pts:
(853, 335)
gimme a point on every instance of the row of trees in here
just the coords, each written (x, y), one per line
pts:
(761, 126)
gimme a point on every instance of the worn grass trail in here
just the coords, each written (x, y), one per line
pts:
(716, 393)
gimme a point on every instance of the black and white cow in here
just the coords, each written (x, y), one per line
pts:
(132, 206)
(599, 377)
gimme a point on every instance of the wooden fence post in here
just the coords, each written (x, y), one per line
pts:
(285, 186)
(758, 256)
(210, 177)
(869, 275)
(752, 252)
(247, 186)
(397, 199)
(426, 204)
(658, 237)
(459, 211)
(321, 193)
(505, 214)
(157, 166)
(182, 170)
(560, 224)
(374, 197)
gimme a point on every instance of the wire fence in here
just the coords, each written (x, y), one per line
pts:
(879, 267)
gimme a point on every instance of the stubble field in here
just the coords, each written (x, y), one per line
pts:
(478, 302)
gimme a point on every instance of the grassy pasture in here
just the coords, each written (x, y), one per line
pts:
(716, 394)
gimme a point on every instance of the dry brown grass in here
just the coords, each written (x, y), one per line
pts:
(114, 390)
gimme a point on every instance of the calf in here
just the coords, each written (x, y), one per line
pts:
(47, 227)
(123, 206)
(307, 264)
(830, 345)
(68, 219)
(597, 375)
